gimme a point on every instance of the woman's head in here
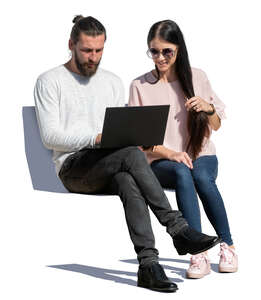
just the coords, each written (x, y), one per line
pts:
(169, 33)
(164, 54)
(165, 37)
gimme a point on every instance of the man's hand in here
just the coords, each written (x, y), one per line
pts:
(98, 139)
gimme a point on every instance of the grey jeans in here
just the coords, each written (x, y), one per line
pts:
(124, 172)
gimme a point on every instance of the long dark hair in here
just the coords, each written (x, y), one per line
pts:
(197, 125)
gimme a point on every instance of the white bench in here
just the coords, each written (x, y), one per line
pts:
(39, 158)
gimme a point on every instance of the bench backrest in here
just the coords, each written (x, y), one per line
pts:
(39, 158)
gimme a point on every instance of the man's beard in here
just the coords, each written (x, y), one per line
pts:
(83, 67)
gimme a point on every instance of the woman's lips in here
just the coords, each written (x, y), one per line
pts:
(162, 64)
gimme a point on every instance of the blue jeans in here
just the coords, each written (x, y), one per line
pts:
(187, 183)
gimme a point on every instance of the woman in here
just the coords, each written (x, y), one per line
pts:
(186, 161)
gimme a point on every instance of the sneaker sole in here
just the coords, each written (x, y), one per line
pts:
(196, 276)
(227, 270)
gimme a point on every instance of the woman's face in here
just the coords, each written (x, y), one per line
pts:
(163, 53)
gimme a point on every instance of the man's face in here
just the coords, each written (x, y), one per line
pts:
(87, 53)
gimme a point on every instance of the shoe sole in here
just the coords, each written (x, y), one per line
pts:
(227, 270)
(196, 276)
(167, 290)
(217, 241)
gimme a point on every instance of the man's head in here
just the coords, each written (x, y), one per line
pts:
(86, 43)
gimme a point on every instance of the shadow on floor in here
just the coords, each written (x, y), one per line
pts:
(178, 271)
(116, 275)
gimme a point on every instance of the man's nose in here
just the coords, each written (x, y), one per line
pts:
(93, 55)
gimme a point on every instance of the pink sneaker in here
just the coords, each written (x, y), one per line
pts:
(199, 266)
(228, 262)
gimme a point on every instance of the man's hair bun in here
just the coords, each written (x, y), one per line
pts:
(77, 18)
(88, 25)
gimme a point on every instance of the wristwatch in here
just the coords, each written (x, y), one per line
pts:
(210, 113)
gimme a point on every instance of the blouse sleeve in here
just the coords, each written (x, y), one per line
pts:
(134, 96)
(211, 97)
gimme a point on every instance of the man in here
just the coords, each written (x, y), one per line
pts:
(70, 103)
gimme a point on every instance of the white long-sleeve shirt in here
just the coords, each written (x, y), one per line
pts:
(70, 108)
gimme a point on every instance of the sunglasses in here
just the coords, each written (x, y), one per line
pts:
(166, 52)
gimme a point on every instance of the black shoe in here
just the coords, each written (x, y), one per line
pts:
(191, 241)
(153, 277)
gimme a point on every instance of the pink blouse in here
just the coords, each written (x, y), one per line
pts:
(176, 136)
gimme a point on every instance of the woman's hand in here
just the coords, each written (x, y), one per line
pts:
(162, 152)
(198, 104)
(181, 157)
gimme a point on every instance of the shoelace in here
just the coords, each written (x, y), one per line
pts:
(196, 260)
(226, 253)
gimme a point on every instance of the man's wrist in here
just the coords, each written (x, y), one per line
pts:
(98, 139)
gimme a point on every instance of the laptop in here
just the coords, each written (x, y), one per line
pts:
(134, 126)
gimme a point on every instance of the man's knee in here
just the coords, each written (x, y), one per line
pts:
(123, 177)
(134, 154)
(133, 150)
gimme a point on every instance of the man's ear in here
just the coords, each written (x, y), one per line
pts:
(71, 44)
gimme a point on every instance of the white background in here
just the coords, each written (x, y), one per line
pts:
(40, 228)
